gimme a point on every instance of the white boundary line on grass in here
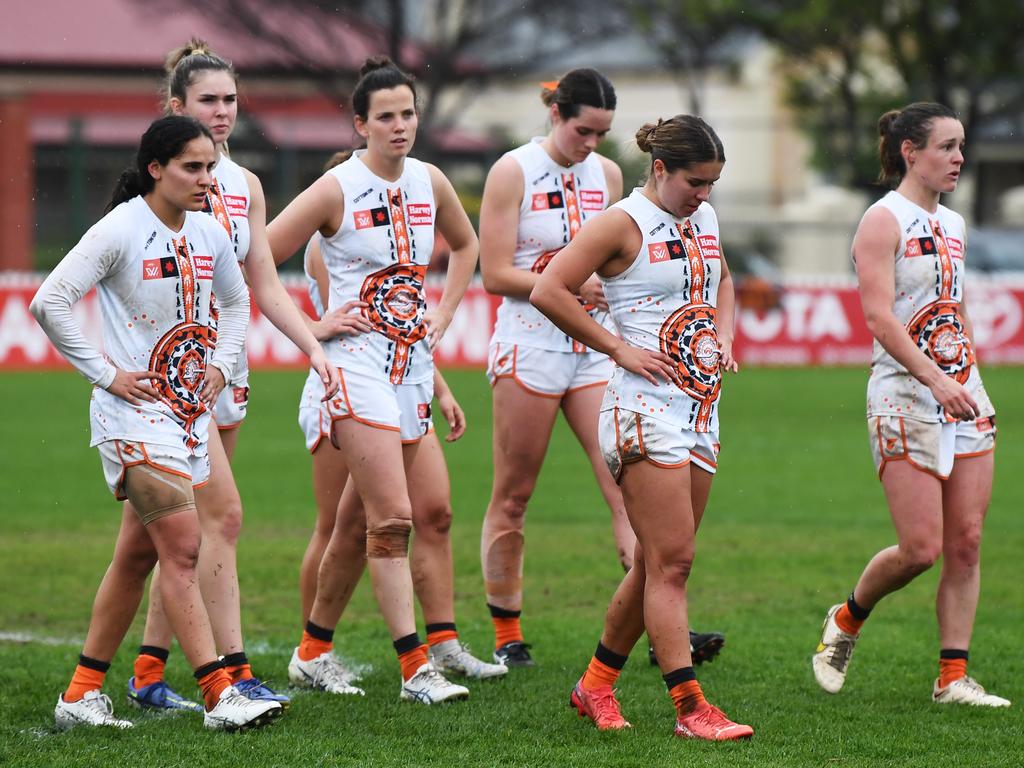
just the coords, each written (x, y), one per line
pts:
(29, 637)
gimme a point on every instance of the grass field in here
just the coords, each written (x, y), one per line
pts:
(794, 516)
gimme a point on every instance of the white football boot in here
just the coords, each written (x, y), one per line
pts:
(966, 690)
(237, 712)
(832, 658)
(324, 673)
(452, 657)
(94, 708)
(428, 686)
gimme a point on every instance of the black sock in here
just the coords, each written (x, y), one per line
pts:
(320, 633)
(610, 658)
(860, 614)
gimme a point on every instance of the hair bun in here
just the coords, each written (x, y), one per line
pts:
(194, 47)
(375, 62)
(645, 135)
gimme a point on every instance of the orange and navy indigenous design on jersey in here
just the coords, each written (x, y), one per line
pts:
(157, 316)
(380, 256)
(665, 301)
(929, 291)
(557, 202)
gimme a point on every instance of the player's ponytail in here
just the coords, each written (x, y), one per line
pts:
(164, 140)
(912, 123)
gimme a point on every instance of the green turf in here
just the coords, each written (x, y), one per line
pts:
(794, 515)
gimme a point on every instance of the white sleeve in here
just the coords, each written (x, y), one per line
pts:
(96, 256)
(233, 306)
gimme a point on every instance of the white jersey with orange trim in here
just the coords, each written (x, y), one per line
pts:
(154, 287)
(929, 283)
(665, 301)
(228, 202)
(311, 285)
(557, 201)
(380, 255)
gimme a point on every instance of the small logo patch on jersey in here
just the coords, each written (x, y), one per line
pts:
(956, 247)
(237, 206)
(543, 201)
(592, 199)
(155, 269)
(423, 410)
(420, 214)
(372, 217)
(672, 249)
(920, 246)
(985, 423)
(204, 266)
(240, 395)
(709, 246)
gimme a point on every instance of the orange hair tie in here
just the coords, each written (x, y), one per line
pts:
(550, 85)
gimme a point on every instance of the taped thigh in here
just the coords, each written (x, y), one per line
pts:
(389, 538)
(155, 493)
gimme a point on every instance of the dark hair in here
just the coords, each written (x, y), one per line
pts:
(164, 140)
(183, 63)
(680, 142)
(337, 159)
(579, 88)
(914, 123)
(377, 74)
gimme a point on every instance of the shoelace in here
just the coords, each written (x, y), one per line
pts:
(330, 671)
(103, 705)
(841, 650)
(605, 704)
(714, 717)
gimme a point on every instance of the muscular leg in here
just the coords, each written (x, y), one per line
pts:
(229, 439)
(431, 561)
(915, 503)
(581, 408)
(661, 512)
(965, 501)
(376, 463)
(522, 431)
(120, 592)
(220, 516)
(342, 563)
(329, 476)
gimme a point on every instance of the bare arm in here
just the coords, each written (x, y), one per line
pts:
(725, 318)
(592, 292)
(271, 296)
(453, 223)
(318, 208)
(499, 228)
(607, 243)
(874, 247)
(450, 408)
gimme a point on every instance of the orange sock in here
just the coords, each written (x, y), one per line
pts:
(951, 670)
(237, 665)
(436, 636)
(848, 622)
(687, 697)
(311, 647)
(506, 631)
(212, 684)
(148, 670)
(85, 679)
(412, 660)
(598, 675)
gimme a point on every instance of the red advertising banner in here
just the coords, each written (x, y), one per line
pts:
(815, 323)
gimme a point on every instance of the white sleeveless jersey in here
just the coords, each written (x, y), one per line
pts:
(228, 202)
(557, 201)
(311, 286)
(154, 288)
(380, 256)
(929, 273)
(665, 301)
